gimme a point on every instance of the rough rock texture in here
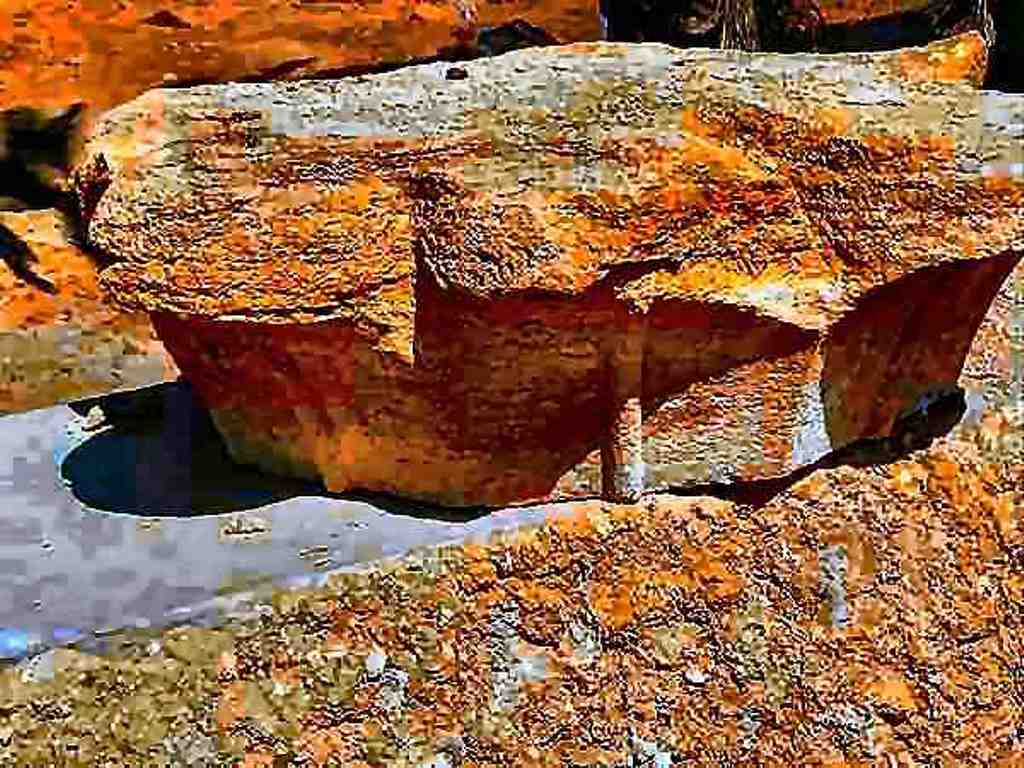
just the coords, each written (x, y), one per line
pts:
(102, 53)
(727, 265)
(70, 344)
(861, 618)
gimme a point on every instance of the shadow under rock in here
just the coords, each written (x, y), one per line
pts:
(159, 455)
(156, 453)
(932, 416)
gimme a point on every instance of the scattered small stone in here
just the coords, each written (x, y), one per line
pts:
(316, 551)
(392, 694)
(437, 761)
(243, 527)
(834, 566)
(456, 73)
(750, 724)
(585, 641)
(852, 727)
(167, 19)
(40, 668)
(376, 662)
(192, 750)
(647, 754)
(695, 676)
(532, 668)
(504, 632)
(94, 419)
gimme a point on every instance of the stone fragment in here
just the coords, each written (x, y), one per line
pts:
(613, 269)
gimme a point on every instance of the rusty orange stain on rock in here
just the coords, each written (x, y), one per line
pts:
(231, 704)
(893, 690)
(839, 11)
(960, 59)
(766, 218)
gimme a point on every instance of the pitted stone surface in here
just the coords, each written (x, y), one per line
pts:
(416, 285)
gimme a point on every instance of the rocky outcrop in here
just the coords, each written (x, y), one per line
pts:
(651, 266)
(64, 63)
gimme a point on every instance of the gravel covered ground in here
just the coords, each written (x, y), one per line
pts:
(864, 616)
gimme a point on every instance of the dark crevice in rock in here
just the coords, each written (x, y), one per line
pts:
(166, 19)
(279, 70)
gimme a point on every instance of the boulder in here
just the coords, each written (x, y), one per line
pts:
(594, 269)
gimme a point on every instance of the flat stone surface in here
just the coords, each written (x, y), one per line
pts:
(300, 202)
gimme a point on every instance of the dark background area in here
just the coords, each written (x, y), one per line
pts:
(783, 27)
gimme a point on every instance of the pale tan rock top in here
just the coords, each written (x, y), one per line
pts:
(787, 184)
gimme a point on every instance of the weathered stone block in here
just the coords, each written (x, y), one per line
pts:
(658, 267)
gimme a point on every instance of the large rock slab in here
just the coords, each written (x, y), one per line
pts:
(600, 268)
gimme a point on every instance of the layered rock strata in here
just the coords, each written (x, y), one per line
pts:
(596, 268)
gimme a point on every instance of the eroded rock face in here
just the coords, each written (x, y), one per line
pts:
(600, 268)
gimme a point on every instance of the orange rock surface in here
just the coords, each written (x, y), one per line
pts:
(838, 11)
(72, 344)
(354, 298)
(860, 617)
(105, 52)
